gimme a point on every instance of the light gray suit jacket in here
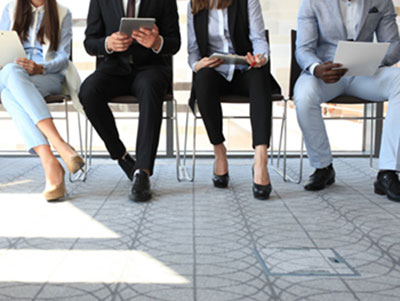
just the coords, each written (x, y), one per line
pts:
(320, 28)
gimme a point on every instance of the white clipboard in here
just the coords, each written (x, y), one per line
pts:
(11, 47)
(360, 58)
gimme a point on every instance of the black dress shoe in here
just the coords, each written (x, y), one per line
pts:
(387, 183)
(221, 181)
(140, 191)
(261, 192)
(128, 165)
(320, 178)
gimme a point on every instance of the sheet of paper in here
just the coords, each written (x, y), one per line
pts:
(360, 58)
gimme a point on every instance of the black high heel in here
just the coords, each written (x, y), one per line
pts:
(220, 181)
(261, 192)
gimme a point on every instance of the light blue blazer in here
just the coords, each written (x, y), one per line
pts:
(320, 28)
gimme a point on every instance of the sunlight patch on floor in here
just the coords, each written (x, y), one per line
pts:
(28, 215)
(85, 266)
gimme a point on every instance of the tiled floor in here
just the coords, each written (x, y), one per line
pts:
(196, 242)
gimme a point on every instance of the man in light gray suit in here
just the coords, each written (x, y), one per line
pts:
(321, 25)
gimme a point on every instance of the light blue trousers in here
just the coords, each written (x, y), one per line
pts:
(310, 92)
(23, 95)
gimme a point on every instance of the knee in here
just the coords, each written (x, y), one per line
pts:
(150, 89)
(306, 98)
(88, 93)
(14, 70)
(205, 78)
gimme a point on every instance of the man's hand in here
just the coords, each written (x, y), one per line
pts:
(206, 62)
(118, 42)
(149, 38)
(329, 72)
(258, 60)
(30, 66)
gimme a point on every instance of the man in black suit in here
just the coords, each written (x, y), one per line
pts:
(136, 65)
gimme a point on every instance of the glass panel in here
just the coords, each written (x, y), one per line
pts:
(280, 17)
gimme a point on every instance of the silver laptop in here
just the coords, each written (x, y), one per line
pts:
(10, 47)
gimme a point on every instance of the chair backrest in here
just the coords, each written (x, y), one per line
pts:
(295, 69)
(269, 60)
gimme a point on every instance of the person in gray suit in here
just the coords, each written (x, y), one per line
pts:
(321, 25)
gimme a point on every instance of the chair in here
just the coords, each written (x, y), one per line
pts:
(295, 72)
(129, 99)
(183, 173)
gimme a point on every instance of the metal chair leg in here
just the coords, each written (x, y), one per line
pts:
(178, 152)
(372, 139)
(83, 173)
(184, 173)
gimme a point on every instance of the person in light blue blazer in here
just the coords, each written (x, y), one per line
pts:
(321, 25)
(45, 30)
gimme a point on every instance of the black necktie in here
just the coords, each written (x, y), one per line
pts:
(131, 8)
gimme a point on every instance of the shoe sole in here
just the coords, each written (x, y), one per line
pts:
(380, 191)
(220, 186)
(329, 183)
(140, 198)
(261, 198)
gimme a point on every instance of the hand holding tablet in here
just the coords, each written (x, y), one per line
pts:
(230, 58)
(128, 25)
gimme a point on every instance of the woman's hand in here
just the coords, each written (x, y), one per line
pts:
(206, 62)
(259, 60)
(149, 38)
(30, 66)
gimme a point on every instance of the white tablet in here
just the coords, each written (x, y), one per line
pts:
(10, 47)
(233, 59)
(128, 25)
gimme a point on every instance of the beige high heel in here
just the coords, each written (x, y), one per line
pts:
(57, 192)
(75, 163)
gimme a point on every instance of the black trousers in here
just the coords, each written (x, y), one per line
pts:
(149, 86)
(209, 85)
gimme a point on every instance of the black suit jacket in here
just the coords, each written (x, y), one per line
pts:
(104, 19)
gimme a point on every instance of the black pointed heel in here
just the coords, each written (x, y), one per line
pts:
(221, 181)
(261, 192)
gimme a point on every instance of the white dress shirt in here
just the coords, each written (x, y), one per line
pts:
(125, 5)
(351, 16)
(219, 38)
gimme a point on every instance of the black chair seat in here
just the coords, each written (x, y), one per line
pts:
(244, 99)
(57, 98)
(129, 99)
(345, 99)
